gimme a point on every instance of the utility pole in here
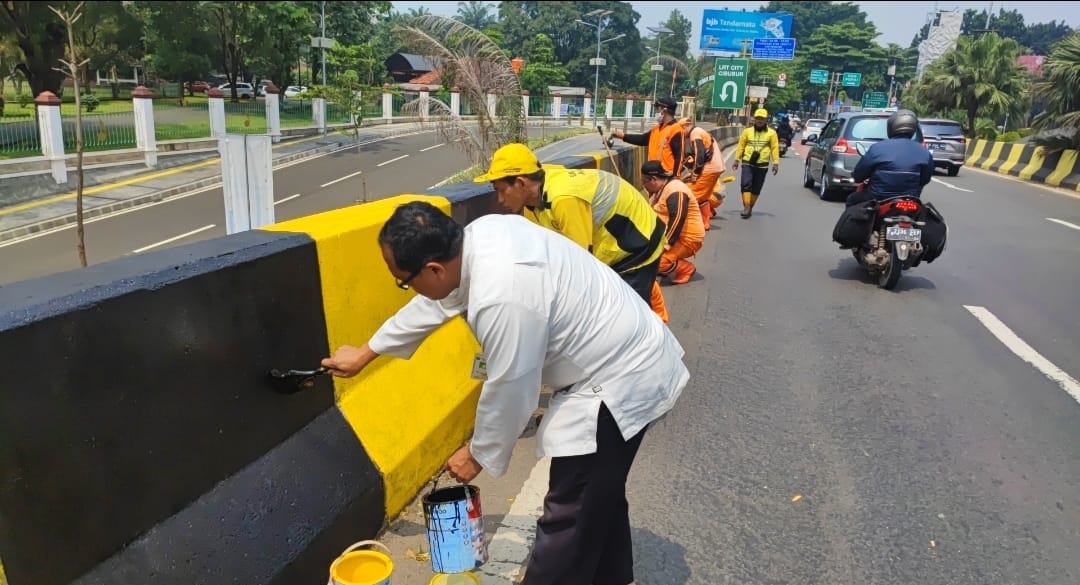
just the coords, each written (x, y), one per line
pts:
(657, 67)
(322, 43)
(599, 26)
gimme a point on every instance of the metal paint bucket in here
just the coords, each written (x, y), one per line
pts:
(455, 529)
(362, 567)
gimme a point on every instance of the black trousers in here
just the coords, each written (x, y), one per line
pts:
(642, 279)
(753, 178)
(583, 536)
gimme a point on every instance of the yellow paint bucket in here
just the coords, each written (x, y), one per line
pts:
(455, 579)
(362, 567)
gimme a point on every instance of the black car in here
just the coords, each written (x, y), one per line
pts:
(837, 149)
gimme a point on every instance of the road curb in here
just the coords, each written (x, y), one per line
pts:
(155, 197)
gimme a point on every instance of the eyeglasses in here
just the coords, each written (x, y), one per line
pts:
(404, 284)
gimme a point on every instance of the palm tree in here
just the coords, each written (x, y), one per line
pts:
(471, 61)
(475, 14)
(979, 76)
(1059, 87)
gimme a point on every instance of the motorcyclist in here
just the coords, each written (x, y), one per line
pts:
(784, 131)
(896, 166)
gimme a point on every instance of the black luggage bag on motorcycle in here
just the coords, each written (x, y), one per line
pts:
(857, 222)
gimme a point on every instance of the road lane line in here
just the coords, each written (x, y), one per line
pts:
(349, 176)
(1025, 351)
(432, 147)
(174, 238)
(284, 199)
(510, 546)
(1064, 223)
(392, 160)
(951, 186)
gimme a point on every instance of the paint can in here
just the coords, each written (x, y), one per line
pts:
(455, 529)
(455, 579)
(362, 567)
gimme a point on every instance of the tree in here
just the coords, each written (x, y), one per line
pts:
(979, 76)
(359, 59)
(844, 47)
(72, 67)
(1043, 36)
(808, 17)
(110, 36)
(282, 27)
(349, 23)
(41, 39)
(1059, 88)
(178, 34)
(475, 14)
(479, 67)
(541, 70)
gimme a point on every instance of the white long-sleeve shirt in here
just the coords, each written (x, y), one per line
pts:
(545, 311)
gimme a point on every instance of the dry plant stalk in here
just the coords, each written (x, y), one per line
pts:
(71, 68)
(477, 67)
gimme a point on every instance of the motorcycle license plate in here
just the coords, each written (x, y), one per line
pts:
(903, 234)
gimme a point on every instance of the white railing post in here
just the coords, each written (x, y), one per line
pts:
(142, 102)
(273, 112)
(215, 103)
(51, 130)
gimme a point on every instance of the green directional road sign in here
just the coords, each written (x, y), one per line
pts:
(729, 83)
(875, 99)
(852, 79)
(819, 76)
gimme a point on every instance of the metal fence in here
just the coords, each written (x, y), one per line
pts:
(19, 136)
(101, 131)
(176, 122)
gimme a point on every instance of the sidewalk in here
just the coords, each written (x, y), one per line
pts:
(128, 188)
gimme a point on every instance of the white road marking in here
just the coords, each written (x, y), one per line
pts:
(513, 540)
(1064, 223)
(1025, 351)
(432, 147)
(284, 199)
(951, 186)
(174, 238)
(392, 160)
(349, 176)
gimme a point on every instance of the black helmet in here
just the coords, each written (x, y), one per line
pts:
(903, 123)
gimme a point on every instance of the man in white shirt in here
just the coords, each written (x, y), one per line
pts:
(545, 311)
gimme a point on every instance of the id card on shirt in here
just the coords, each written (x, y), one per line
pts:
(479, 367)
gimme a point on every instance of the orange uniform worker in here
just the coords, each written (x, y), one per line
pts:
(665, 141)
(706, 163)
(675, 205)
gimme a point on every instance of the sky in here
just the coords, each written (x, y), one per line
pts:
(898, 22)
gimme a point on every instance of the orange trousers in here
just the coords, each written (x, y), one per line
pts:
(674, 262)
(657, 302)
(703, 189)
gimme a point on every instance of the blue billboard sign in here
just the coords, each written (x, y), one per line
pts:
(723, 32)
(774, 49)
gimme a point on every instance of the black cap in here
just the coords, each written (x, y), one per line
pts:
(667, 102)
(653, 168)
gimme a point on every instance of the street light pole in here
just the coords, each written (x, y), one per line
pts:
(660, 32)
(322, 41)
(599, 26)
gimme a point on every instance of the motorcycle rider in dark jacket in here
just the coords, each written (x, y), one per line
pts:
(897, 166)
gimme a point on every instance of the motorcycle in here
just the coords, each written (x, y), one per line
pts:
(785, 144)
(895, 243)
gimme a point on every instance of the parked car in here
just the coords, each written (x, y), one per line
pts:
(812, 126)
(946, 141)
(243, 89)
(834, 153)
(198, 86)
(295, 90)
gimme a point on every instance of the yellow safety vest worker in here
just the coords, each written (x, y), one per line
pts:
(602, 213)
(764, 142)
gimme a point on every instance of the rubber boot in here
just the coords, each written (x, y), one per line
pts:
(656, 301)
(753, 202)
(746, 204)
(684, 270)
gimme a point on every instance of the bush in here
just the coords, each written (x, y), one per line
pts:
(1057, 140)
(1025, 132)
(90, 102)
(25, 99)
(1011, 136)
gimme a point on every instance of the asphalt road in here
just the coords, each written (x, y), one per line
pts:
(389, 167)
(836, 433)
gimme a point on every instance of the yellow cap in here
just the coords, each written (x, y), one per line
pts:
(510, 161)
(761, 113)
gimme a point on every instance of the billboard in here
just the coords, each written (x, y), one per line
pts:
(723, 31)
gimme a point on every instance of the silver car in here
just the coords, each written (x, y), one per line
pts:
(946, 141)
(834, 153)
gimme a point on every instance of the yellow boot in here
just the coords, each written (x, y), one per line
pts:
(753, 202)
(746, 197)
